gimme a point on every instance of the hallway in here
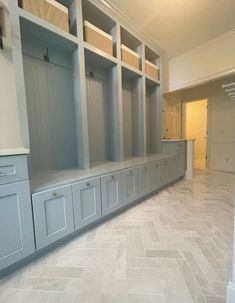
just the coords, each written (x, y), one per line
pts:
(173, 248)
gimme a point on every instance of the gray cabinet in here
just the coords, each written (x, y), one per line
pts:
(111, 189)
(16, 223)
(53, 215)
(182, 163)
(174, 164)
(129, 185)
(143, 180)
(165, 172)
(154, 176)
(86, 202)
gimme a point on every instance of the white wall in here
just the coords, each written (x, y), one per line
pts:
(208, 61)
(221, 123)
(9, 121)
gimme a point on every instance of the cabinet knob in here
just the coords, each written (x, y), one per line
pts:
(131, 172)
(55, 195)
(88, 184)
(112, 177)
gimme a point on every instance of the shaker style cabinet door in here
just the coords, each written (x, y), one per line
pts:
(111, 189)
(86, 202)
(53, 215)
(143, 180)
(16, 223)
(154, 176)
(129, 185)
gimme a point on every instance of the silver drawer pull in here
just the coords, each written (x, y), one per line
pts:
(88, 184)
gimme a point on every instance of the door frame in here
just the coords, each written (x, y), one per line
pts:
(183, 125)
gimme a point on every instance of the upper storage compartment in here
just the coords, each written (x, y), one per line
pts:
(152, 64)
(131, 50)
(61, 14)
(99, 29)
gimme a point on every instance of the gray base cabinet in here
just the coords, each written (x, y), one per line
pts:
(181, 163)
(154, 176)
(16, 223)
(86, 202)
(111, 190)
(143, 180)
(129, 185)
(53, 215)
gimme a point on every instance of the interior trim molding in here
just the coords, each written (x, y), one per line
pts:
(200, 81)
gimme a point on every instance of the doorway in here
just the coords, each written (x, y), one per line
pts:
(194, 125)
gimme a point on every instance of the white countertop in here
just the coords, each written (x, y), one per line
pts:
(14, 151)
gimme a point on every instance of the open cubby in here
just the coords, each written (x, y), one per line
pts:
(152, 114)
(131, 105)
(71, 5)
(153, 58)
(130, 41)
(99, 78)
(43, 13)
(49, 84)
(99, 19)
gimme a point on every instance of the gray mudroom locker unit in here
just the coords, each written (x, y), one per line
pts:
(91, 123)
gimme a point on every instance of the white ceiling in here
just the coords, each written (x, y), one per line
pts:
(180, 25)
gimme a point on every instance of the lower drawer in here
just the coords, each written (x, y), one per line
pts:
(13, 169)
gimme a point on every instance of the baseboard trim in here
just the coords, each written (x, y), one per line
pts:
(230, 297)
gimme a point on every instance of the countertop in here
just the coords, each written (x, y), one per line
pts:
(14, 151)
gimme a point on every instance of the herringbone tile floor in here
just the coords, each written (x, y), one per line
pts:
(172, 248)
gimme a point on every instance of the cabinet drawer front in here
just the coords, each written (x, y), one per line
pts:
(53, 215)
(86, 202)
(154, 176)
(16, 223)
(129, 185)
(111, 189)
(143, 180)
(13, 168)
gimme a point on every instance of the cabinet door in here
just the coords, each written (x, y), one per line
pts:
(53, 215)
(111, 192)
(182, 163)
(143, 180)
(86, 202)
(154, 176)
(129, 185)
(169, 170)
(174, 174)
(16, 223)
(165, 172)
